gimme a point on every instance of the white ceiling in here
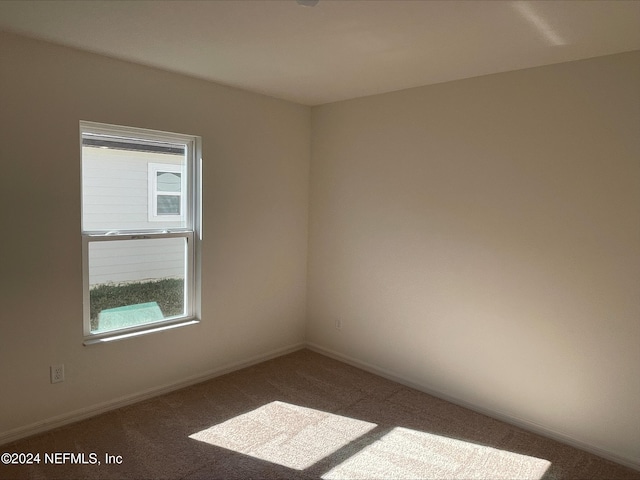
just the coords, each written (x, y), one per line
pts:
(339, 49)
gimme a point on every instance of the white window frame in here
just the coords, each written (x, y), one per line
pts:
(191, 212)
(153, 170)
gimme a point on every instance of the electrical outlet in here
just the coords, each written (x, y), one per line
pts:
(339, 324)
(57, 373)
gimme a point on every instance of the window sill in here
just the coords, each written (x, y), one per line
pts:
(122, 335)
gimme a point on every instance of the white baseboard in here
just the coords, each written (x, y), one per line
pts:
(518, 422)
(88, 412)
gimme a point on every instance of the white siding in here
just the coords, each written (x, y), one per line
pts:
(115, 189)
(136, 260)
(116, 197)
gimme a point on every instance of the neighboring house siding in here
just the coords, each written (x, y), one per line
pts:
(116, 196)
(139, 261)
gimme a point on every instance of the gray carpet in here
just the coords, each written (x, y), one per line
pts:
(304, 416)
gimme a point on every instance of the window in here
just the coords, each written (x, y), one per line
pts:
(140, 230)
(165, 192)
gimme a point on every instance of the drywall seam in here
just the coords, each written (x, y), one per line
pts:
(510, 419)
(94, 410)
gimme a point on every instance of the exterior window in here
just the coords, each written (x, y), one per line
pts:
(165, 192)
(140, 230)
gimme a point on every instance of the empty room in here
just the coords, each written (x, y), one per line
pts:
(336, 239)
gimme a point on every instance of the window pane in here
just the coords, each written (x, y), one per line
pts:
(168, 205)
(134, 282)
(169, 182)
(118, 180)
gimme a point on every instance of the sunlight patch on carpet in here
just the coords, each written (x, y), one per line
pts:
(408, 454)
(286, 434)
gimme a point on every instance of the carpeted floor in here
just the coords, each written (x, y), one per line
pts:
(304, 416)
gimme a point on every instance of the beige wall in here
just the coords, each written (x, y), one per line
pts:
(256, 167)
(481, 238)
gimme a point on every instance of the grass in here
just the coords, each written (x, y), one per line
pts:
(168, 293)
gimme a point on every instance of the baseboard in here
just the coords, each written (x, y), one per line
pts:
(94, 410)
(515, 421)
